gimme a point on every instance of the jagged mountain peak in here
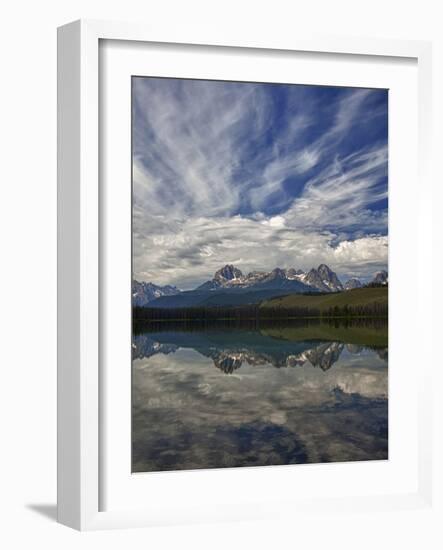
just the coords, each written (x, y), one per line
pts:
(323, 278)
(228, 273)
(352, 283)
(329, 277)
(279, 273)
(381, 277)
(314, 279)
(143, 293)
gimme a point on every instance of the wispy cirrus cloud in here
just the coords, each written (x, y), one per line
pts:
(339, 198)
(259, 175)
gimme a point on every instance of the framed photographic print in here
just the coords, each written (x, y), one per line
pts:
(233, 221)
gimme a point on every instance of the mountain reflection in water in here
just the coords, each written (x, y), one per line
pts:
(295, 393)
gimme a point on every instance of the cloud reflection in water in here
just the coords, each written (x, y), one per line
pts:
(215, 399)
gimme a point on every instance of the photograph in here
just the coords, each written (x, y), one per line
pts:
(259, 274)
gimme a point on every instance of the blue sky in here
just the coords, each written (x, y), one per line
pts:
(259, 175)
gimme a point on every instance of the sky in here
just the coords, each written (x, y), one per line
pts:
(257, 175)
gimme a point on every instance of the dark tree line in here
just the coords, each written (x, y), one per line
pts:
(256, 313)
(355, 322)
(213, 313)
(374, 309)
(289, 312)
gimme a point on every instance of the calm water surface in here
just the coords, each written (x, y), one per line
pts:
(225, 396)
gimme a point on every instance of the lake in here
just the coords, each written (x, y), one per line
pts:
(227, 395)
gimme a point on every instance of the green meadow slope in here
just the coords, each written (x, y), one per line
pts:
(351, 298)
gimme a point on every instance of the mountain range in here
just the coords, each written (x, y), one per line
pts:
(229, 276)
(144, 293)
(230, 286)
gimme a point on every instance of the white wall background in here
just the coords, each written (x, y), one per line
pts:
(28, 269)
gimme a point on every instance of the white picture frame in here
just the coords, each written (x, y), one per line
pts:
(80, 261)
